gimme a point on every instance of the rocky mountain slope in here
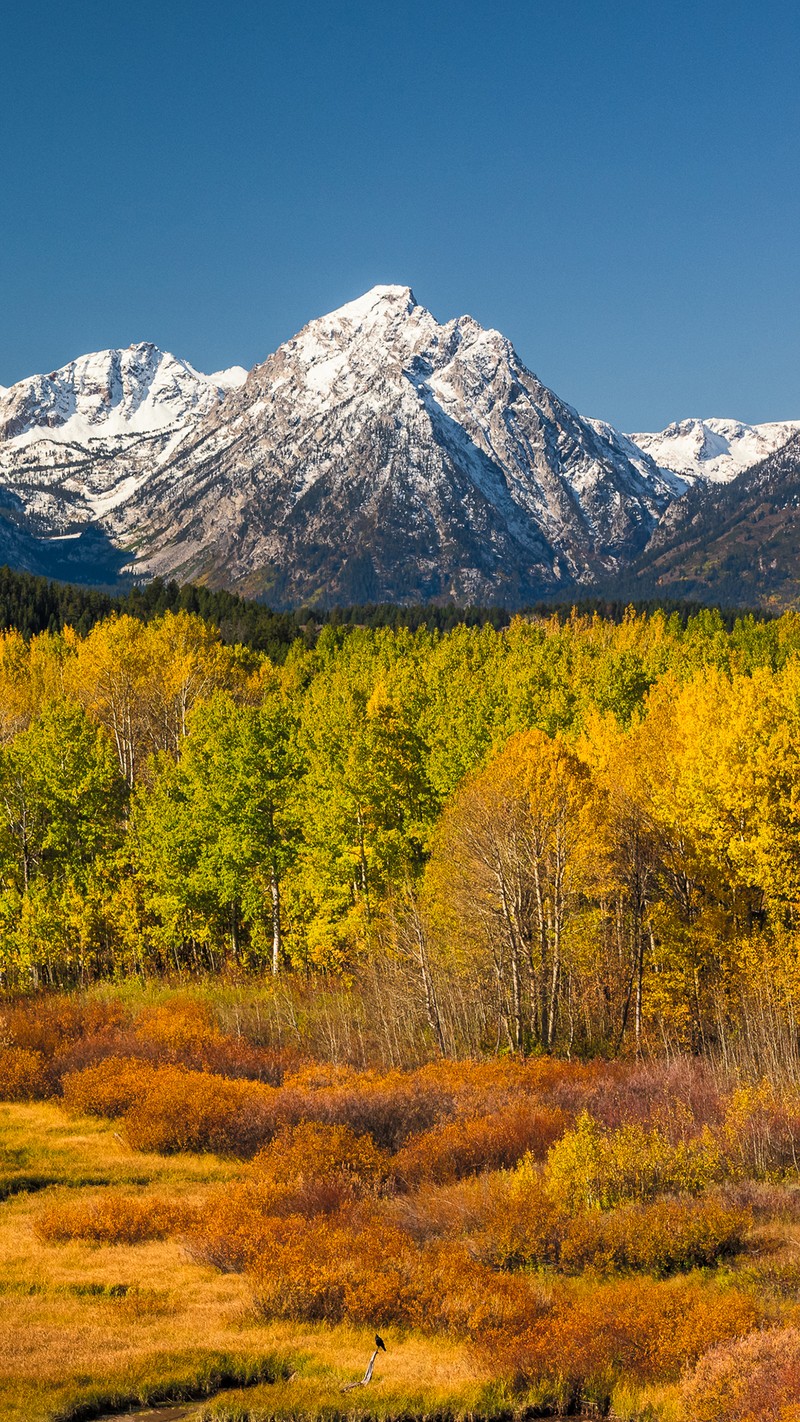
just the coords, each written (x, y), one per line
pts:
(378, 455)
(735, 544)
(76, 443)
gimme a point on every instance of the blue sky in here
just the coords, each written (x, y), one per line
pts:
(613, 184)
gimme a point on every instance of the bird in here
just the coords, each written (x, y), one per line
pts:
(367, 1378)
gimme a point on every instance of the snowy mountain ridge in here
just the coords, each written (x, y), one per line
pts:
(377, 455)
(714, 449)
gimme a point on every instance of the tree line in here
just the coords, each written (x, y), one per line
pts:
(566, 834)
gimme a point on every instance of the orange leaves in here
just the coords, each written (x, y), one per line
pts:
(23, 1075)
(637, 1328)
(314, 1152)
(183, 1110)
(109, 1088)
(752, 1379)
(112, 1218)
(452, 1149)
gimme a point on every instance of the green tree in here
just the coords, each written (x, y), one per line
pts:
(218, 830)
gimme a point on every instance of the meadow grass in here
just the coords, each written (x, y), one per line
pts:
(92, 1328)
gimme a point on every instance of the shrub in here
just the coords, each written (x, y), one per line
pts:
(110, 1088)
(590, 1168)
(23, 1074)
(523, 1224)
(389, 1107)
(368, 1271)
(637, 1329)
(752, 1379)
(463, 1147)
(181, 1110)
(660, 1237)
(315, 1152)
(182, 1031)
(47, 1024)
(112, 1218)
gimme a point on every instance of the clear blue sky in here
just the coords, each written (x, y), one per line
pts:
(615, 184)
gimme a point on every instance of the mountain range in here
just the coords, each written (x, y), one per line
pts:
(382, 456)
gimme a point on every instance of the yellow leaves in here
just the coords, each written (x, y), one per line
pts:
(141, 680)
(589, 1168)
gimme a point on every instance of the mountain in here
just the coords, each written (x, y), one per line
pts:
(77, 442)
(376, 456)
(735, 544)
(381, 456)
(714, 450)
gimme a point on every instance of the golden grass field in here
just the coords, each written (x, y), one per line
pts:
(83, 1324)
(182, 1238)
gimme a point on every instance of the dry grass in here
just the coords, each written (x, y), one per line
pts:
(41, 1146)
(79, 1320)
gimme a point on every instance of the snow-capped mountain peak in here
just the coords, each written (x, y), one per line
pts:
(714, 449)
(377, 455)
(424, 455)
(135, 391)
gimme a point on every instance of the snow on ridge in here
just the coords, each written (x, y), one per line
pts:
(714, 450)
(228, 379)
(136, 391)
(377, 296)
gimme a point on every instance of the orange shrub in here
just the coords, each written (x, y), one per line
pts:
(112, 1218)
(455, 1148)
(366, 1272)
(636, 1329)
(48, 1024)
(186, 1110)
(460, 1208)
(110, 1088)
(23, 1075)
(661, 1237)
(183, 1031)
(315, 1152)
(752, 1379)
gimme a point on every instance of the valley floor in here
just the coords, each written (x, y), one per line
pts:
(191, 1217)
(86, 1325)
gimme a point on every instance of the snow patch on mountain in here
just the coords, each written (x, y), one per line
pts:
(714, 450)
(140, 390)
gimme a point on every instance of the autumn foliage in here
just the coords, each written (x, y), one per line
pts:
(113, 1218)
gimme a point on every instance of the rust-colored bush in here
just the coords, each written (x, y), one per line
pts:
(453, 1149)
(113, 1218)
(184, 1110)
(752, 1379)
(638, 1329)
(23, 1075)
(109, 1088)
(47, 1024)
(365, 1270)
(523, 1225)
(183, 1032)
(389, 1107)
(315, 1152)
(662, 1237)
